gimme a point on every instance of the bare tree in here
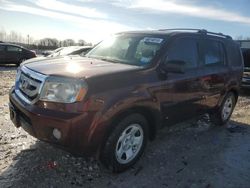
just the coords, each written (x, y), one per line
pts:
(81, 42)
(13, 36)
(68, 42)
(45, 43)
(2, 34)
(240, 37)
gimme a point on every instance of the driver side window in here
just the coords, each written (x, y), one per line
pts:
(184, 50)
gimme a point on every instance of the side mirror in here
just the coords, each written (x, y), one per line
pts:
(175, 66)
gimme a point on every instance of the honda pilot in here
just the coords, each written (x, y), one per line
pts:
(109, 103)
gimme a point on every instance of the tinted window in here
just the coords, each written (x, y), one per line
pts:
(184, 49)
(13, 49)
(213, 53)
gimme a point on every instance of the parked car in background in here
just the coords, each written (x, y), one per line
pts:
(71, 50)
(14, 54)
(109, 103)
(64, 51)
(246, 75)
(49, 52)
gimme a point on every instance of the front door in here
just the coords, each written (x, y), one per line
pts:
(13, 54)
(183, 89)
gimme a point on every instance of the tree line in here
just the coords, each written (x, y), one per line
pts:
(45, 43)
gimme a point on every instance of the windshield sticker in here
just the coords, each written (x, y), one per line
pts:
(152, 40)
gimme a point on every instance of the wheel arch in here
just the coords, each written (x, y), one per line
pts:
(234, 90)
(152, 116)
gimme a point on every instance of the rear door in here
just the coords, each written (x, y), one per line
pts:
(183, 97)
(215, 72)
(13, 54)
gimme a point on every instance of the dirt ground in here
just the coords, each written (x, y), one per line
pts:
(193, 154)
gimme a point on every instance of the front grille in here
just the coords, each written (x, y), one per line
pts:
(29, 84)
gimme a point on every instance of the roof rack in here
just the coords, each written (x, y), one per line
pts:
(202, 31)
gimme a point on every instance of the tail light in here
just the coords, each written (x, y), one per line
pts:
(34, 52)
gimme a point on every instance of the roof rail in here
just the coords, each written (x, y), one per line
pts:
(202, 31)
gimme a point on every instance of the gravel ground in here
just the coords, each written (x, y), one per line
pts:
(191, 154)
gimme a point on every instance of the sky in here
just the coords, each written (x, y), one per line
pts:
(93, 20)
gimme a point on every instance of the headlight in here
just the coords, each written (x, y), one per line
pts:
(64, 90)
(18, 73)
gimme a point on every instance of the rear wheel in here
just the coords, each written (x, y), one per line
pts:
(223, 114)
(126, 143)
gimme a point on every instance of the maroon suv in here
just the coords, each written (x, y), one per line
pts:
(109, 103)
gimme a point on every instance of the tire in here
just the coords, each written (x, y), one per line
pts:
(222, 115)
(126, 143)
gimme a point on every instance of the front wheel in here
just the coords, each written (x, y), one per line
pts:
(223, 114)
(126, 143)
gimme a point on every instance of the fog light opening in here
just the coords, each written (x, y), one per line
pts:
(57, 134)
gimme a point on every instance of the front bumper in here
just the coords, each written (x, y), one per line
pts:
(39, 122)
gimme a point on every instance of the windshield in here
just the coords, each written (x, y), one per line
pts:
(128, 49)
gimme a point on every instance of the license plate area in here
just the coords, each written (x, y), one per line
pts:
(20, 119)
(14, 117)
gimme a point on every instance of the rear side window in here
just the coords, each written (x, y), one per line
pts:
(13, 49)
(184, 49)
(213, 53)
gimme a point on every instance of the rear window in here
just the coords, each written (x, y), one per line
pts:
(213, 53)
(234, 55)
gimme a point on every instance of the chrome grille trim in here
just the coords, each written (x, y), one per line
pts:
(29, 85)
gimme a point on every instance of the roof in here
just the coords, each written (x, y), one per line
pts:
(180, 30)
(9, 44)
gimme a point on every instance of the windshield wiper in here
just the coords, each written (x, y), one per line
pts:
(108, 59)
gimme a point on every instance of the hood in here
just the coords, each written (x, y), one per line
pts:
(76, 66)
